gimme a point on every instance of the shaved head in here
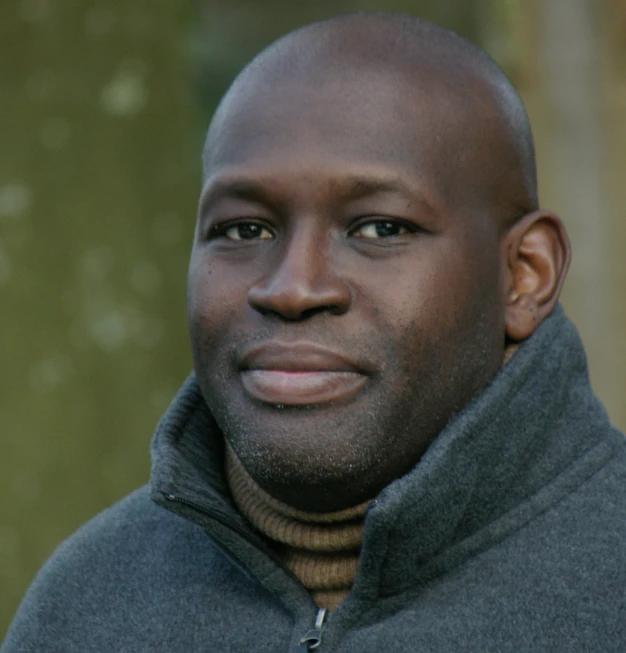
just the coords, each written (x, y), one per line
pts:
(478, 119)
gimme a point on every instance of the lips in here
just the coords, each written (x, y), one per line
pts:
(300, 374)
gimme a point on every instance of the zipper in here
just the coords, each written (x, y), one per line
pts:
(242, 532)
(313, 638)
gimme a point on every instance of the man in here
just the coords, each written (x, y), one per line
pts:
(389, 442)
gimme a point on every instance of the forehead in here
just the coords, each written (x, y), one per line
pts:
(369, 110)
(417, 124)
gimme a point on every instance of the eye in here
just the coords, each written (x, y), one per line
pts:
(246, 231)
(380, 229)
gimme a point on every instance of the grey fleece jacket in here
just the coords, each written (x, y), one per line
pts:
(509, 535)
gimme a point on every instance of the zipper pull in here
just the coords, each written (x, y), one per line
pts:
(313, 638)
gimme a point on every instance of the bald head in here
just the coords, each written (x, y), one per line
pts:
(481, 141)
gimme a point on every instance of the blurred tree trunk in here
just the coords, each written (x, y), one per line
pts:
(568, 60)
(574, 64)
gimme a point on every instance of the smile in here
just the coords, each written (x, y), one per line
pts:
(301, 388)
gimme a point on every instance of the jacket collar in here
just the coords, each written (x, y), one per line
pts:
(519, 446)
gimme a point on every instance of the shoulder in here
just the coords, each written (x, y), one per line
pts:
(133, 526)
(597, 509)
(106, 571)
(591, 505)
(608, 484)
(132, 523)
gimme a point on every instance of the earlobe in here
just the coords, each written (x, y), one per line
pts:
(537, 254)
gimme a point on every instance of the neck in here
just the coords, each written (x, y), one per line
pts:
(321, 549)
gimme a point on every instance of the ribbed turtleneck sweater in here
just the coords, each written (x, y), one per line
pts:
(320, 549)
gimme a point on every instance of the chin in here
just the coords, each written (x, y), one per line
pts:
(314, 458)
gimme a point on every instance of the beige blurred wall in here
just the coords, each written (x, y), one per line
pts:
(103, 106)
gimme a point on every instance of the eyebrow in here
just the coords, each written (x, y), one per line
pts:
(350, 187)
(243, 189)
(356, 187)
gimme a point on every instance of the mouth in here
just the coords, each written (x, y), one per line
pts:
(300, 374)
(283, 388)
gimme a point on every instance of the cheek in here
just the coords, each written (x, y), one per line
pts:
(469, 271)
(438, 299)
(212, 301)
(409, 293)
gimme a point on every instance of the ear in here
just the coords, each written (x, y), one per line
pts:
(537, 254)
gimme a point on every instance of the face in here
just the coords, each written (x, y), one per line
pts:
(344, 302)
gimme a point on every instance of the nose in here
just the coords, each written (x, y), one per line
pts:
(300, 283)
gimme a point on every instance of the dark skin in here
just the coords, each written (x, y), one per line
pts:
(354, 280)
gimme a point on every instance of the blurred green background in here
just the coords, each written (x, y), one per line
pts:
(103, 108)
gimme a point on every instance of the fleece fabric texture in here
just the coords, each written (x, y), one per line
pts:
(508, 536)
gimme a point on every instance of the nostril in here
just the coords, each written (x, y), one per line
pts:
(310, 312)
(298, 316)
